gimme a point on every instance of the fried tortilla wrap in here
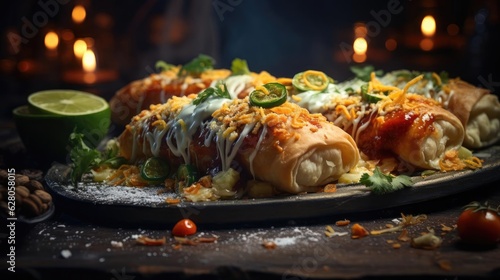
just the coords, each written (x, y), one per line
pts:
(159, 87)
(477, 108)
(410, 127)
(285, 146)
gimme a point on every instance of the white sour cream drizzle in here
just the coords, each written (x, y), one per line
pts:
(426, 90)
(179, 132)
(228, 149)
(190, 119)
(325, 103)
(236, 84)
(320, 102)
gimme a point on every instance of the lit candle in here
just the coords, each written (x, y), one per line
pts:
(78, 14)
(79, 48)
(89, 73)
(360, 47)
(428, 28)
(51, 40)
(89, 65)
(88, 61)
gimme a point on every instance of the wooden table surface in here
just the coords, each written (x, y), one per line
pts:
(66, 246)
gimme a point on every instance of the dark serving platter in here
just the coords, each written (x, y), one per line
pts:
(125, 206)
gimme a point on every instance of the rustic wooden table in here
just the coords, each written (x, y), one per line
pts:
(66, 246)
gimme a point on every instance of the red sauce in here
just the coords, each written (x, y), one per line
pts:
(382, 135)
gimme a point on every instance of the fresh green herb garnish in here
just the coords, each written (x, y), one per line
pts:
(381, 183)
(444, 77)
(239, 67)
(163, 66)
(219, 90)
(197, 66)
(85, 158)
(363, 72)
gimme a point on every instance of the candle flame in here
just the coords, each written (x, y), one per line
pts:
(360, 45)
(51, 40)
(78, 14)
(428, 26)
(89, 61)
(79, 47)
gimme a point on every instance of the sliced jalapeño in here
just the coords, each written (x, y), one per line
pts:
(185, 177)
(311, 80)
(269, 95)
(370, 97)
(155, 169)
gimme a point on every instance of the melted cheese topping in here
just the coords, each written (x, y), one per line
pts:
(239, 85)
(221, 121)
(346, 110)
(424, 87)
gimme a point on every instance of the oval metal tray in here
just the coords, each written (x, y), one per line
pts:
(123, 206)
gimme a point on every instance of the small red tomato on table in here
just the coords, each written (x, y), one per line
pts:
(184, 227)
(479, 224)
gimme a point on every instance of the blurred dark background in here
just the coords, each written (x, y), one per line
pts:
(281, 36)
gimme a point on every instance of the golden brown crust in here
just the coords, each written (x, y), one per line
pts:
(156, 89)
(425, 148)
(465, 96)
(286, 146)
(329, 151)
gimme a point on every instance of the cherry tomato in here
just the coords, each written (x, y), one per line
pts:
(184, 227)
(479, 224)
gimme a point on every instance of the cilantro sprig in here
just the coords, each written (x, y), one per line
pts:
(239, 67)
(381, 183)
(363, 72)
(163, 66)
(194, 68)
(197, 66)
(219, 90)
(85, 158)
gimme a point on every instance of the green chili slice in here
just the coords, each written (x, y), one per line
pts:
(155, 169)
(186, 176)
(310, 80)
(269, 95)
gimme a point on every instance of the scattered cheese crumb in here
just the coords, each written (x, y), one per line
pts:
(65, 254)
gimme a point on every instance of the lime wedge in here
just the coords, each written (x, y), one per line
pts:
(66, 102)
(46, 136)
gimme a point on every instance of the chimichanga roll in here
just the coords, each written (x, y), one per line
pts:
(159, 87)
(479, 111)
(415, 129)
(477, 108)
(286, 146)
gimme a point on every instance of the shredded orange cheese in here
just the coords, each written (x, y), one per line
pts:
(438, 79)
(262, 88)
(283, 120)
(313, 73)
(452, 162)
(262, 78)
(284, 81)
(215, 74)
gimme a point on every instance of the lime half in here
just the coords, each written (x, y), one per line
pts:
(66, 102)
